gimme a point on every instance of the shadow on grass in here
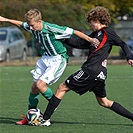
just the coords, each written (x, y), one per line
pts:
(7, 120)
(89, 123)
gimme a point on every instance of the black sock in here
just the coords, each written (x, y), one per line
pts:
(116, 107)
(52, 105)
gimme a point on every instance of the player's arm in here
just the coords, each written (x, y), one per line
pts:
(87, 38)
(118, 42)
(77, 42)
(127, 52)
(15, 22)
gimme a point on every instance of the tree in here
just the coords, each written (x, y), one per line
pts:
(64, 12)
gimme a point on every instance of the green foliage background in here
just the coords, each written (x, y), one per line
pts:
(63, 12)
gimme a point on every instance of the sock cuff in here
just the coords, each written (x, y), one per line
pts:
(48, 93)
(33, 100)
(114, 105)
(56, 98)
(33, 95)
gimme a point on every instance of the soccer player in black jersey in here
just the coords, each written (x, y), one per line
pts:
(93, 72)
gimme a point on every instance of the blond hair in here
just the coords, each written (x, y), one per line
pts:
(34, 15)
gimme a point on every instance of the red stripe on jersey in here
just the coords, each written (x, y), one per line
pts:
(101, 44)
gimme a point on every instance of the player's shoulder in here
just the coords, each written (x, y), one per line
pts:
(109, 29)
(48, 24)
(25, 25)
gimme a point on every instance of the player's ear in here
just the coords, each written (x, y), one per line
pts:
(39, 21)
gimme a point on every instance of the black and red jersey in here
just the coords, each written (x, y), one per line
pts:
(95, 65)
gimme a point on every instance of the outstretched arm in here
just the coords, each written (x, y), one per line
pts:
(87, 38)
(77, 42)
(15, 22)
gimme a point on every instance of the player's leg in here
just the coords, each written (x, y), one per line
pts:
(34, 98)
(48, 71)
(100, 94)
(76, 82)
(52, 73)
(114, 106)
(53, 104)
(44, 89)
(55, 101)
(34, 94)
(40, 80)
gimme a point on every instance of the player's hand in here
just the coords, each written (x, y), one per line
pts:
(95, 42)
(130, 62)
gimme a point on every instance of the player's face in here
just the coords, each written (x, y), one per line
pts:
(35, 25)
(95, 25)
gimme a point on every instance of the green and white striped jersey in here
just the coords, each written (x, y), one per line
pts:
(50, 38)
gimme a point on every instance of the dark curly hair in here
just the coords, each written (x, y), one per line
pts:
(100, 14)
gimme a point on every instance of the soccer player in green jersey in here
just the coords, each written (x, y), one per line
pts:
(52, 64)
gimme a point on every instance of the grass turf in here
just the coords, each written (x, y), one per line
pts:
(76, 113)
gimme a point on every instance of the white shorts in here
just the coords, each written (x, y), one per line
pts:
(49, 69)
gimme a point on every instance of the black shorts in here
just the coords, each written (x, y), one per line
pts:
(81, 82)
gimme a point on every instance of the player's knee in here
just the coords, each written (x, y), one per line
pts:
(38, 84)
(104, 104)
(62, 87)
(34, 86)
(41, 85)
(48, 93)
(34, 89)
(60, 92)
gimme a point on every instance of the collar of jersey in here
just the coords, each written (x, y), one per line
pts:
(44, 30)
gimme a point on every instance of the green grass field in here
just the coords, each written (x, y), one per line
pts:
(76, 114)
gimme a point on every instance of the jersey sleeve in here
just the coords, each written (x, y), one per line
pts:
(60, 32)
(26, 27)
(119, 42)
(77, 42)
